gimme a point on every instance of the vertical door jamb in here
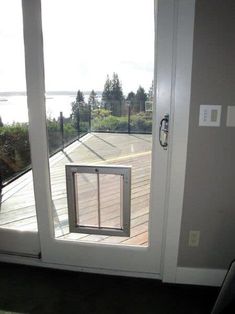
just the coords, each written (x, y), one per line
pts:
(180, 106)
(34, 64)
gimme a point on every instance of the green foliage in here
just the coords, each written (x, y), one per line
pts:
(80, 113)
(131, 97)
(150, 93)
(100, 113)
(55, 140)
(92, 101)
(79, 97)
(110, 124)
(54, 135)
(107, 92)
(112, 95)
(140, 99)
(116, 91)
(76, 108)
(14, 149)
(141, 123)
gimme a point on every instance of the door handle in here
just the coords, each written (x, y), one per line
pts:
(163, 131)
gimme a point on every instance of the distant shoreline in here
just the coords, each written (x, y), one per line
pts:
(49, 93)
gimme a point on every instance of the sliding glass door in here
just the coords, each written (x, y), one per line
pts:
(18, 222)
(84, 166)
(101, 61)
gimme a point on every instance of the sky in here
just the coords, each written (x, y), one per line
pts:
(84, 40)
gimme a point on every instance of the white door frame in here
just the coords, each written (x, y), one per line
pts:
(181, 94)
(176, 92)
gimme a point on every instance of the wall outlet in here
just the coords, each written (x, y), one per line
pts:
(194, 237)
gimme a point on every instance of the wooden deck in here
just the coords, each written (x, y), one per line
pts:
(18, 209)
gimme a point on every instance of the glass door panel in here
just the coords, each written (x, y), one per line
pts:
(18, 222)
(101, 62)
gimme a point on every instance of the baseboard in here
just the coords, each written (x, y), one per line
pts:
(5, 258)
(200, 276)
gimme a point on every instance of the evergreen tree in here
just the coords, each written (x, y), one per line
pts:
(1, 123)
(116, 90)
(79, 97)
(112, 95)
(149, 102)
(76, 109)
(150, 93)
(131, 96)
(92, 101)
(131, 99)
(117, 95)
(141, 97)
(106, 95)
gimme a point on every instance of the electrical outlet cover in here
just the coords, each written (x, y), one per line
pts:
(194, 237)
(230, 116)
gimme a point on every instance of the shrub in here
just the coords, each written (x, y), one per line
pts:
(141, 123)
(55, 140)
(15, 146)
(14, 149)
(110, 124)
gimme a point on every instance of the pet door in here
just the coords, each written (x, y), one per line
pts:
(99, 199)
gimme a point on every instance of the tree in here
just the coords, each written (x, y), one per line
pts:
(112, 95)
(150, 93)
(76, 108)
(79, 97)
(141, 97)
(116, 95)
(92, 101)
(116, 90)
(131, 99)
(149, 102)
(106, 95)
(1, 123)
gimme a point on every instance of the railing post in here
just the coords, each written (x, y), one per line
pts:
(62, 128)
(129, 119)
(89, 118)
(1, 185)
(78, 122)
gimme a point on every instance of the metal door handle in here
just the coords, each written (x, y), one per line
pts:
(163, 131)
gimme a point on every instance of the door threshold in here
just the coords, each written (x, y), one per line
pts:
(33, 261)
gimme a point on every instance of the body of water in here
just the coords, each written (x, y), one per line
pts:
(14, 108)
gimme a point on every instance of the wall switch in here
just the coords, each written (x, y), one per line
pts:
(194, 237)
(209, 115)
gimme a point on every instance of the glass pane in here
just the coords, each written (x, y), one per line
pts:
(61, 128)
(101, 61)
(87, 199)
(17, 196)
(99, 200)
(111, 200)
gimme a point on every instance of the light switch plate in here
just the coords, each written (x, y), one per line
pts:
(230, 116)
(210, 115)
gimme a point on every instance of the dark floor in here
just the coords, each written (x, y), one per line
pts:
(25, 289)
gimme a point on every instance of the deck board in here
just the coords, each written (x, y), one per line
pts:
(18, 209)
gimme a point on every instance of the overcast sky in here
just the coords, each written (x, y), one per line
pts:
(84, 40)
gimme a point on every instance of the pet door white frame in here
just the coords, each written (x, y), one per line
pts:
(73, 190)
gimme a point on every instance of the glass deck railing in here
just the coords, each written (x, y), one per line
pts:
(14, 141)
